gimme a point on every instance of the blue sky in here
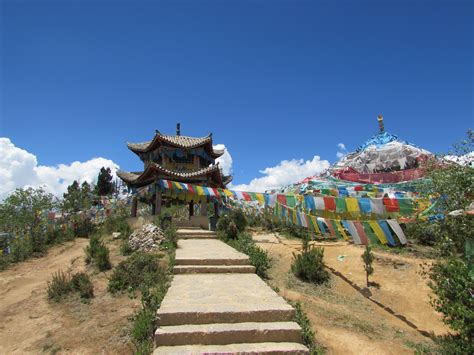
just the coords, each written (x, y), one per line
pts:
(273, 80)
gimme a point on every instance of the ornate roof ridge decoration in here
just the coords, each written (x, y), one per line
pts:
(185, 142)
(144, 176)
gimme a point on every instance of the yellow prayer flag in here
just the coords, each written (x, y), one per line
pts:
(228, 193)
(315, 225)
(200, 191)
(378, 231)
(260, 198)
(341, 229)
(352, 204)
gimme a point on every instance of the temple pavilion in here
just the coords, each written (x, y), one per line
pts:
(178, 158)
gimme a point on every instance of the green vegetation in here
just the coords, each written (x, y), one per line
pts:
(97, 253)
(140, 269)
(307, 332)
(368, 259)
(77, 198)
(105, 185)
(231, 228)
(452, 278)
(82, 283)
(63, 284)
(309, 264)
(144, 272)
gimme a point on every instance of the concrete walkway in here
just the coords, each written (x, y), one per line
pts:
(216, 304)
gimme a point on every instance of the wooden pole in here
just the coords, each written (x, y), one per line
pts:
(158, 199)
(134, 206)
(191, 209)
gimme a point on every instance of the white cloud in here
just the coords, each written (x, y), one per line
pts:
(342, 150)
(19, 168)
(225, 161)
(285, 173)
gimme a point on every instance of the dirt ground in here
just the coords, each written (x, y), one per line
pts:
(344, 320)
(31, 324)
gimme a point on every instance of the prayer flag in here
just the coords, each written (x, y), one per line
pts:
(378, 231)
(391, 204)
(388, 234)
(398, 230)
(352, 205)
(341, 205)
(360, 231)
(329, 203)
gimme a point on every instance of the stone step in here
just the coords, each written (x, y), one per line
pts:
(228, 333)
(221, 298)
(197, 236)
(242, 349)
(208, 252)
(216, 269)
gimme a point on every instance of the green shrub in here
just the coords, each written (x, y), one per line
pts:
(20, 248)
(83, 227)
(143, 325)
(139, 269)
(171, 236)
(309, 264)
(102, 258)
(231, 224)
(59, 286)
(257, 256)
(82, 283)
(125, 248)
(97, 253)
(453, 284)
(307, 332)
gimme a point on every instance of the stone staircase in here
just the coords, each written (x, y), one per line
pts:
(216, 304)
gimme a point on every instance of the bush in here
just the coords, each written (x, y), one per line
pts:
(103, 259)
(125, 248)
(307, 332)
(83, 227)
(257, 256)
(138, 270)
(309, 264)
(453, 285)
(97, 253)
(231, 224)
(59, 286)
(171, 236)
(81, 283)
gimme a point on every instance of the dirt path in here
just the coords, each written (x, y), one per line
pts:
(345, 321)
(31, 324)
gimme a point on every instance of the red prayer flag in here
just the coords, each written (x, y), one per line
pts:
(391, 204)
(281, 199)
(246, 196)
(330, 203)
(216, 192)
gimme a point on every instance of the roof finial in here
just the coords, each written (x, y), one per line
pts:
(380, 120)
(178, 129)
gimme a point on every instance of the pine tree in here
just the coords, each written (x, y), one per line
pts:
(73, 198)
(104, 182)
(368, 258)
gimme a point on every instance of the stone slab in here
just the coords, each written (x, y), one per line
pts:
(216, 269)
(228, 333)
(242, 349)
(221, 298)
(207, 252)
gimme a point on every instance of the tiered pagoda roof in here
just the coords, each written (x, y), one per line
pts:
(210, 174)
(176, 141)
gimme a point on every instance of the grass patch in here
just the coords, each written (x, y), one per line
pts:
(62, 284)
(257, 256)
(307, 332)
(140, 269)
